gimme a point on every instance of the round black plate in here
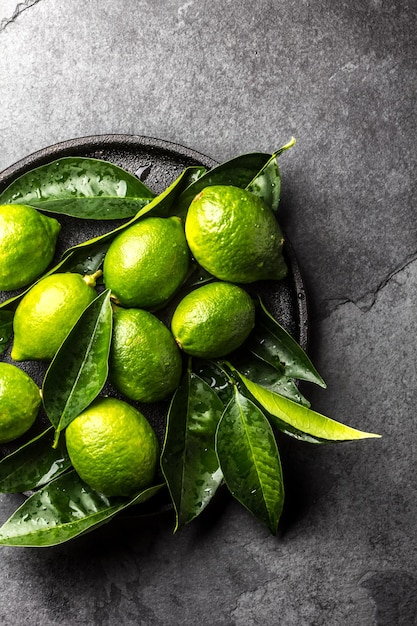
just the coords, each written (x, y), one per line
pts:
(158, 163)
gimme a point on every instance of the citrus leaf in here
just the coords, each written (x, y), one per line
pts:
(81, 187)
(263, 374)
(249, 460)
(215, 376)
(188, 460)
(319, 427)
(267, 182)
(6, 329)
(238, 172)
(34, 464)
(79, 369)
(270, 342)
(61, 510)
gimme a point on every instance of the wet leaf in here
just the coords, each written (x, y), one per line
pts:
(6, 329)
(302, 419)
(270, 342)
(214, 375)
(267, 376)
(189, 461)
(239, 172)
(81, 187)
(61, 510)
(249, 460)
(34, 464)
(79, 369)
(267, 182)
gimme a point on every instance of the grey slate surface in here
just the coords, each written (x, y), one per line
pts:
(226, 78)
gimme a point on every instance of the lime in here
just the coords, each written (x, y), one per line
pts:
(46, 314)
(213, 320)
(147, 262)
(113, 447)
(20, 400)
(145, 362)
(27, 244)
(234, 235)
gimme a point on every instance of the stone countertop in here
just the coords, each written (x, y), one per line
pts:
(226, 78)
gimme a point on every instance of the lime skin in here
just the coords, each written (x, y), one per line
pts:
(113, 447)
(27, 245)
(20, 401)
(235, 236)
(213, 320)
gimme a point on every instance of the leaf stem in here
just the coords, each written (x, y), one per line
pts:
(56, 439)
(285, 147)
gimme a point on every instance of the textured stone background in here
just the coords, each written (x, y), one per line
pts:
(226, 78)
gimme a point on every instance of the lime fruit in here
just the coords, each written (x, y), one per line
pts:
(46, 314)
(113, 447)
(20, 400)
(145, 362)
(27, 244)
(147, 262)
(234, 235)
(213, 320)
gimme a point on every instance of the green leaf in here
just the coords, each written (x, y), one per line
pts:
(302, 419)
(34, 464)
(239, 172)
(189, 461)
(81, 187)
(270, 342)
(79, 369)
(215, 376)
(267, 182)
(6, 329)
(61, 510)
(249, 460)
(267, 376)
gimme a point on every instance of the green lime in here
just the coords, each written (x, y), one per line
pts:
(46, 314)
(234, 235)
(113, 447)
(145, 362)
(146, 263)
(213, 320)
(20, 400)
(27, 244)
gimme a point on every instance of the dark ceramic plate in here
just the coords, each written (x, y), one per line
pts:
(157, 163)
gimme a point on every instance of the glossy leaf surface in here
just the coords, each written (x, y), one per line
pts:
(189, 461)
(33, 464)
(81, 187)
(79, 369)
(249, 460)
(303, 419)
(239, 172)
(62, 510)
(267, 376)
(267, 182)
(216, 377)
(270, 342)
(6, 329)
